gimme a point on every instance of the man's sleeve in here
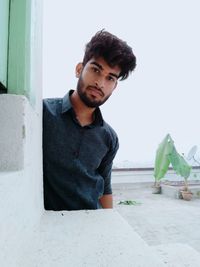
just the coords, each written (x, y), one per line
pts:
(105, 168)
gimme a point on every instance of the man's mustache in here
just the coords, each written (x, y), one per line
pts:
(94, 87)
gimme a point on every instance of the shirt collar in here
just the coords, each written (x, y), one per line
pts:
(98, 117)
(67, 105)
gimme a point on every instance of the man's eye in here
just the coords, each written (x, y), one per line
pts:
(110, 78)
(95, 70)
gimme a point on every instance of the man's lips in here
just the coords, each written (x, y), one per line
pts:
(96, 90)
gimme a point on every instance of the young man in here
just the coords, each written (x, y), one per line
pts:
(78, 145)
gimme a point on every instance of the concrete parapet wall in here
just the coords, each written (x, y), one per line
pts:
(20, 133)
(21, 188)
(12, 133)
(147, 176)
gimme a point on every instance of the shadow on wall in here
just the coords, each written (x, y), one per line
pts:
(3, 89)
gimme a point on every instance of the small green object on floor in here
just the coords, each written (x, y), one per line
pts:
(129, 202)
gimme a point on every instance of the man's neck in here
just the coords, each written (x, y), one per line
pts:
(84, 114)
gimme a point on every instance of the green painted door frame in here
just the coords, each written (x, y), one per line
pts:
(4, 24)
(19, 48)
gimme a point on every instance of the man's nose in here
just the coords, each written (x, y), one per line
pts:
(100, 83)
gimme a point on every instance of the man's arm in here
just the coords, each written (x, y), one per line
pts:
(106, 201)
(105, 170)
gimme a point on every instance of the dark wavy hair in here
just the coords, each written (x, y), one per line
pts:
(113, 50)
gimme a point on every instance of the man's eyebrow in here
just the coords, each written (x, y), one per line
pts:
(101, 68)
(97, 64)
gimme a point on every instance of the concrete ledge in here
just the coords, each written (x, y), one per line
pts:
(100, 238)
(146, 176)
(127, 177)
(12, 134)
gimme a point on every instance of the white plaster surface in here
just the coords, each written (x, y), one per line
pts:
(21, 186)
(100, 238)
(21, 191)
(12, 133)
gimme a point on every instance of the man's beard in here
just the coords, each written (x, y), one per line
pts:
(91, 103)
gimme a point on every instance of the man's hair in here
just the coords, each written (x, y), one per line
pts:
(113, 50)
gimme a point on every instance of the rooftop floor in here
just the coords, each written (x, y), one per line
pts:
(160, 220)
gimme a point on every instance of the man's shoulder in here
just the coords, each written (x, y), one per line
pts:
(110, 131)
(52, 101)
(52, 105)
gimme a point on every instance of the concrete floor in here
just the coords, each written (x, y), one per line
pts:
(160, 220)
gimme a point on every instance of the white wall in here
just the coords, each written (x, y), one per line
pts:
(21, 183)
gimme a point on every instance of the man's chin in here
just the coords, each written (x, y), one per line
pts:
(91, 103)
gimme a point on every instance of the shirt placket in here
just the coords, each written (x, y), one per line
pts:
(79, 142)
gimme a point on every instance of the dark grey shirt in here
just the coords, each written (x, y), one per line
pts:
(77, 161)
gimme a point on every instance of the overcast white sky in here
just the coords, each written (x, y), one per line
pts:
(162, 95)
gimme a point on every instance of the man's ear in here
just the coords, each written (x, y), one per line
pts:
(79, 68)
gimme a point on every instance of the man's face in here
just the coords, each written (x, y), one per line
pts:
(97, 80)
